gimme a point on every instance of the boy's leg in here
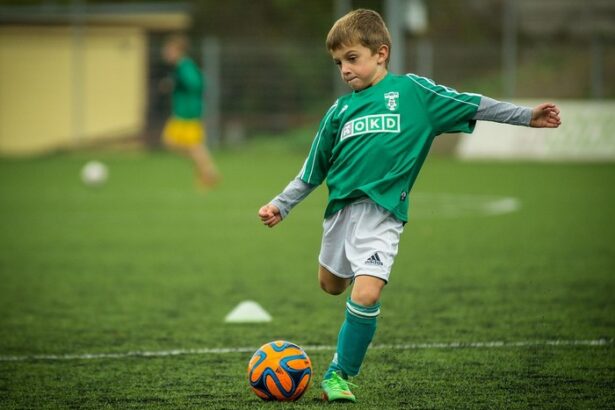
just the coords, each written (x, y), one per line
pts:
(330, 283)
(204, 164)
(359, 326)
(367, 290)
(333, 285)
(370, 248)
(187, 137)
(356, 333)
(359, 242)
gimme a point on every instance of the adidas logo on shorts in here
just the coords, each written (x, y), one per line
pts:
(374, 260)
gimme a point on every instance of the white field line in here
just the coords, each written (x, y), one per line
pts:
(308, 348)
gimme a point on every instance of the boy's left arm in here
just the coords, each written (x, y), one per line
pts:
(544, 115)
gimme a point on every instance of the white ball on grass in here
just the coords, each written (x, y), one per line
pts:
(94, 173)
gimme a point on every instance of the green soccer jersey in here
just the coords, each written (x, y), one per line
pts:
(373, 142)
(187, 99)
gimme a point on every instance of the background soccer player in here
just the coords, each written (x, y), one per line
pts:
(184, 131)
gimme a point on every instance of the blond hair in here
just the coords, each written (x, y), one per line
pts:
(362, 26)
(178, 40)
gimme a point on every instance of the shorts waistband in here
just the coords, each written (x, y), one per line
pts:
(363, 200)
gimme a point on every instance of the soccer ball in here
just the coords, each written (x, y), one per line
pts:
(94, 173)
(280, 371)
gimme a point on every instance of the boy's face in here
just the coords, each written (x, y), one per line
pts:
(171, 53)
(360, 68)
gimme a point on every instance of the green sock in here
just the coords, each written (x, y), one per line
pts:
(355, 336)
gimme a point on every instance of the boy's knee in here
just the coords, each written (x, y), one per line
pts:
(367, 290)
(366, 297)
(330, 283)
(330, 288)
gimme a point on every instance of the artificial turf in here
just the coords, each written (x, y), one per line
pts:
(148, 262)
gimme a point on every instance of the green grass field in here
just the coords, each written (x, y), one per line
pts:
(148, 263)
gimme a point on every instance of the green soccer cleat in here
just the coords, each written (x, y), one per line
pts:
(335, 388)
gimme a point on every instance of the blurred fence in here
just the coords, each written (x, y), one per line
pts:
(265, 82)
(270, 88)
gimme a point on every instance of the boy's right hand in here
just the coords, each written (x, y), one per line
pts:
(270, 215)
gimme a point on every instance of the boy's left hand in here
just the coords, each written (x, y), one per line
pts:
(545, 116)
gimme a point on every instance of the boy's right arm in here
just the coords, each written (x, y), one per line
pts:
(312, 174)
(273, 213)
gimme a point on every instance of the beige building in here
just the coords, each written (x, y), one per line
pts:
(67, 83)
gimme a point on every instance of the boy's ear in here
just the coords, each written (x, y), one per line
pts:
(383, 54)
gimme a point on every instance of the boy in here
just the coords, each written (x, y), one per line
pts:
(183, 132)
(370, 146)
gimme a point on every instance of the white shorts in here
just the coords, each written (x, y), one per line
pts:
(361, 239)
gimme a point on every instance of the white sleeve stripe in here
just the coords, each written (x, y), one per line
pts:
(313, 159)
(302, 168)
(317, 141)
(443, 95)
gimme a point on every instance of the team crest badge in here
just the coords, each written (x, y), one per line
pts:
(391, 100)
